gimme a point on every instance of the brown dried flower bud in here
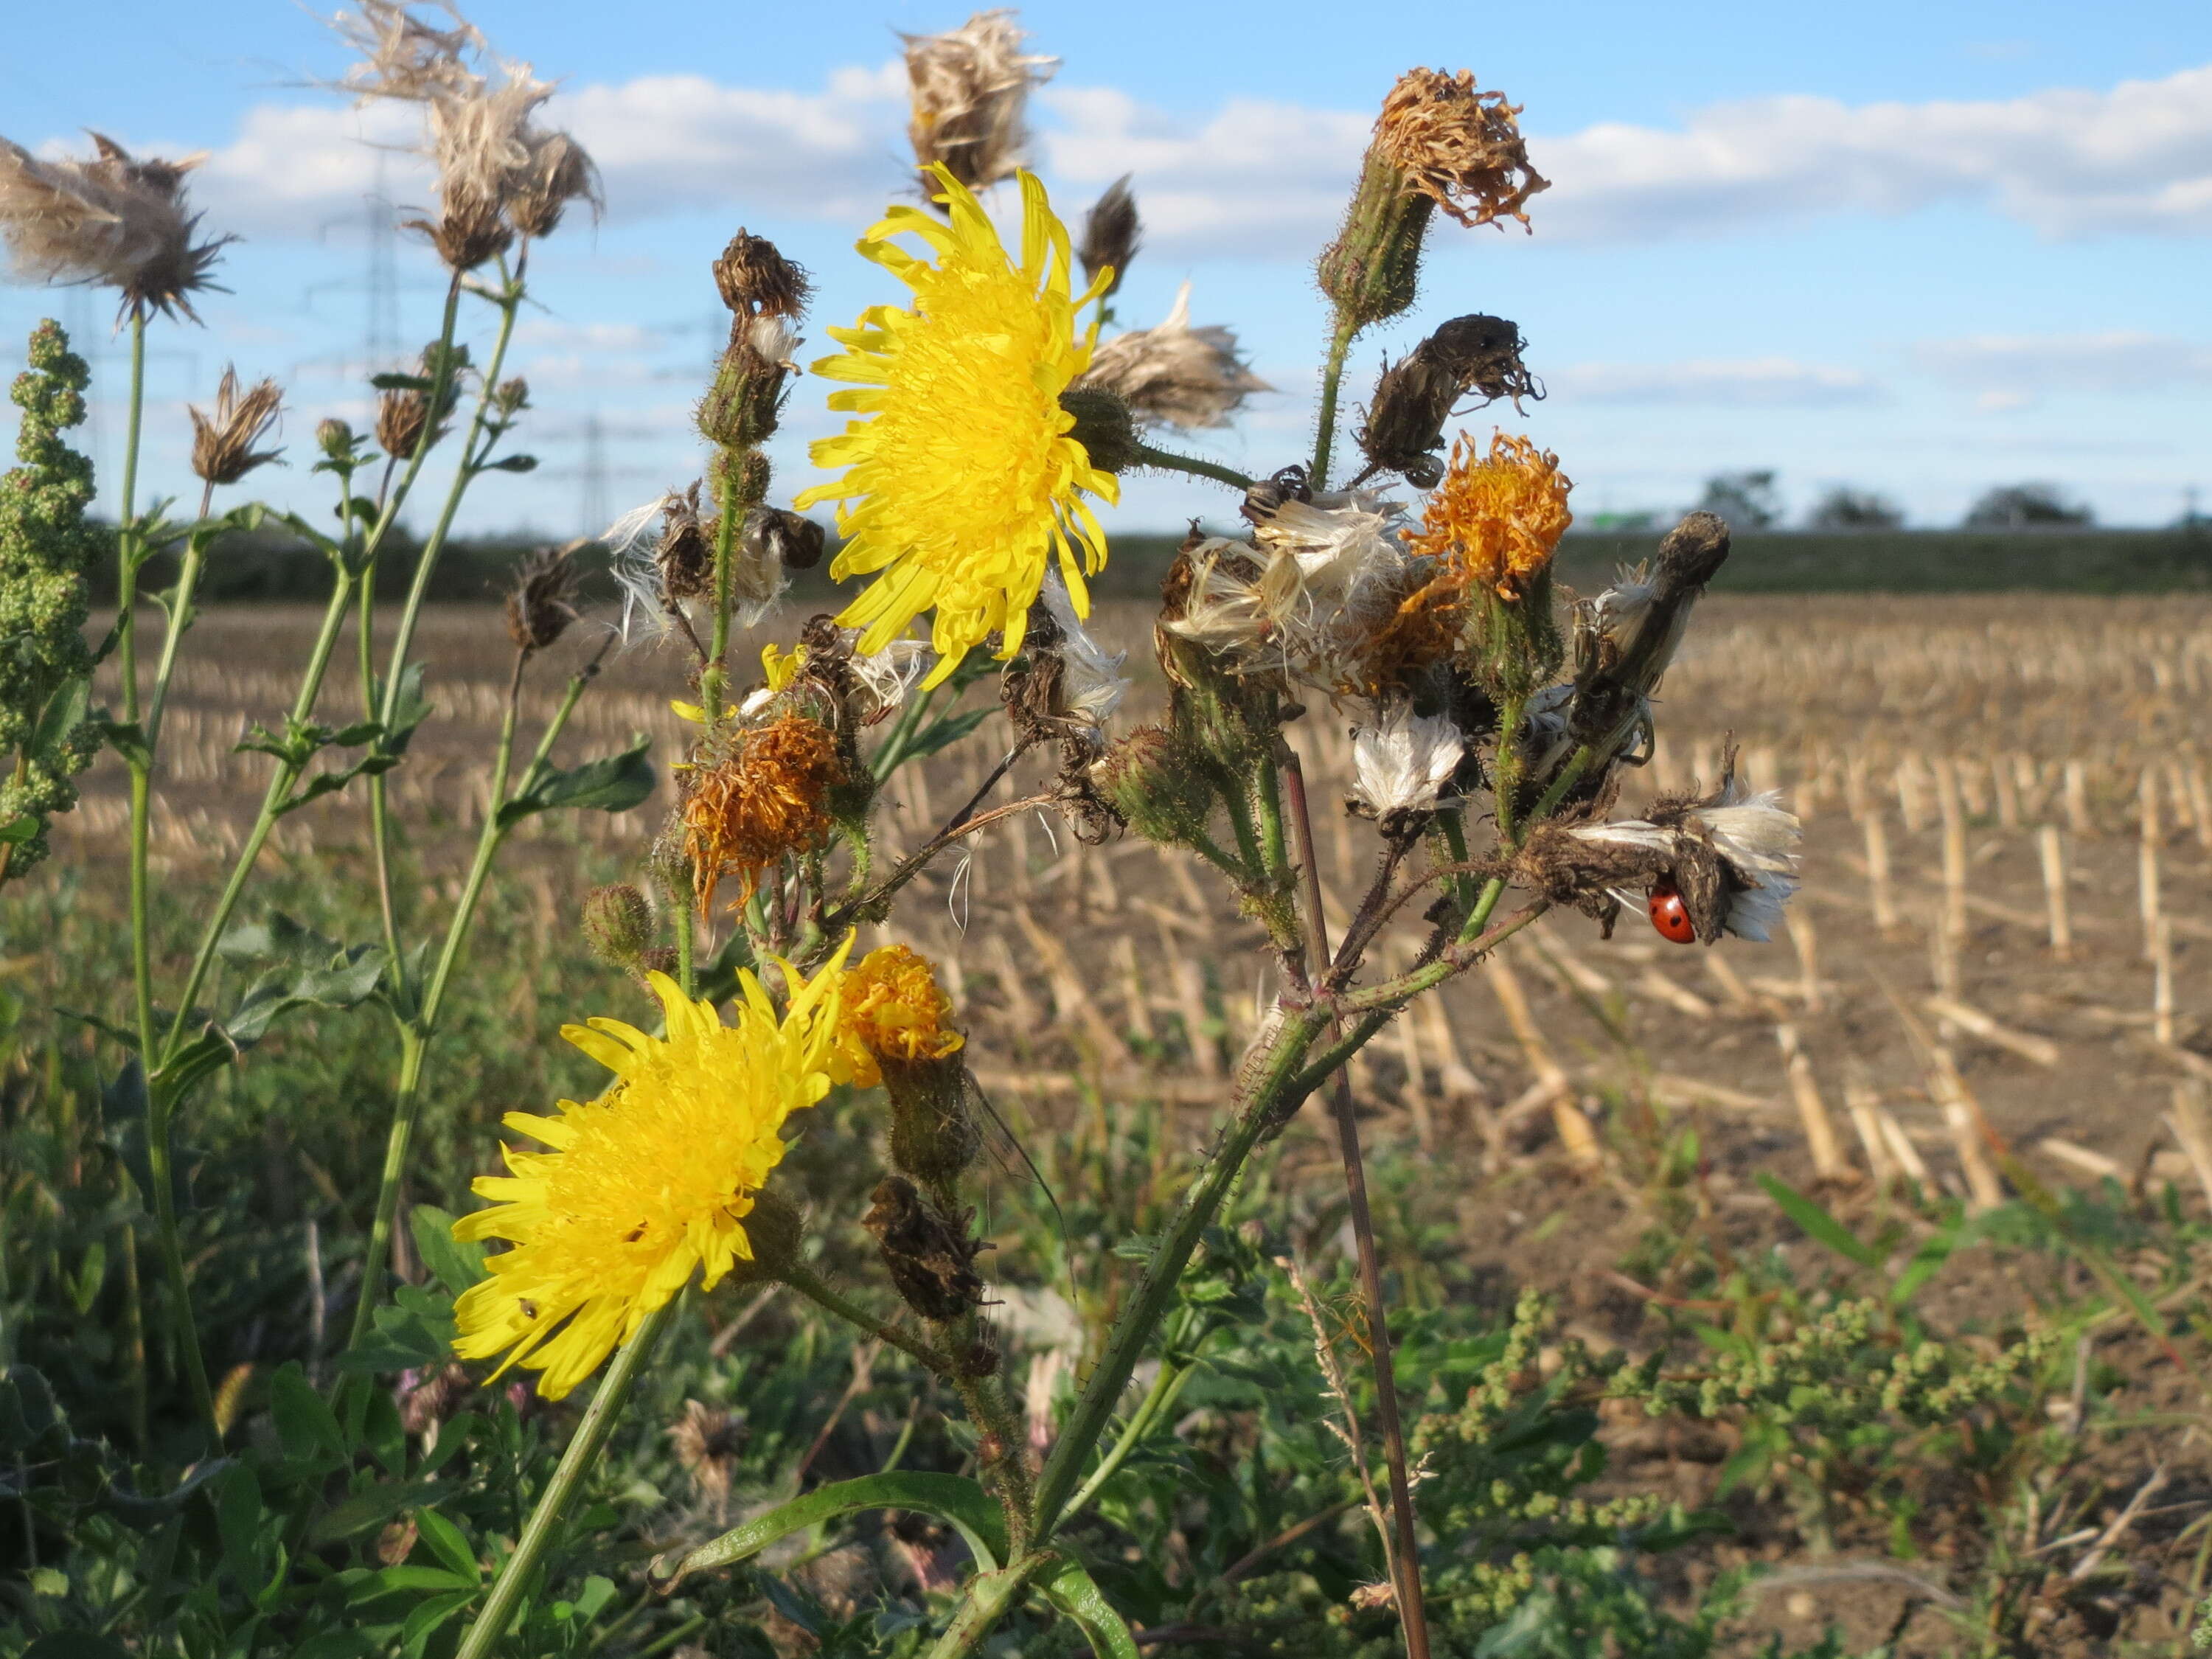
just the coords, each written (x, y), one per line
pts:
(541, 602)
(469, 230)
(707, 1440)
(968, 89)
(1415, 396)
(755, 279)
(510, 397)
(222, 443)
(930, 1255)
(403, 412)
(1112, 234)
(113, 221)
(1185, 377)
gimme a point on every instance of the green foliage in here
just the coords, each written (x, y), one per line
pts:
(47, 733)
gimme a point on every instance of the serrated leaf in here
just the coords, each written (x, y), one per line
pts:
(950, 1498)
(614, 783)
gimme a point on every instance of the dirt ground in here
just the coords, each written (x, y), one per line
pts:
(1970, 740)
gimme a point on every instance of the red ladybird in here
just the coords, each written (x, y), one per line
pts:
(1669, 915)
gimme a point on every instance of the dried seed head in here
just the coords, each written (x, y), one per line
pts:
(404, 412)
(968, 89)
(1183, 376)
(1112, 234)
(685, 556)
(707, 1440)
(556, 170)
(498, 171)
(745, 398)
(510, 397)
(755, 279)
(1732, 855)
(780, 539)
(222, 443)
(541, 602)
(112, 221)
(1158, 786)
(767, 801)
(1416, 395)
(1403, 764)
(1458, 146)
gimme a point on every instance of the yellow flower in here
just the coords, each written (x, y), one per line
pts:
(894, 1010)
(1494, 522)
(965, 479)
(780, 667)
(646, 1183)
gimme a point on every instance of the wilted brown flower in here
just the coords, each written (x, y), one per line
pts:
(1112, 234)
(931, 1255)
(222, 444)
(1496, 521)
(706, 1441)
(1183, 376)
(685, 555)
(755, 279)
(968, 88)
(542, 601)
(556, 170)
(112, 221)
(767, 801)
(1458, 146)
(1414, 398)
(403, 412)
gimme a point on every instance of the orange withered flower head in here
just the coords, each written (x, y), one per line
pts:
(1458, 146)
(767, 801)
(893, 1010)
(1496, 521)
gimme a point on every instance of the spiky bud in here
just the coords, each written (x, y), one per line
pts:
(1157, 786)
(541, 602)
(618, 926)
(335, 439)
(1102, 426)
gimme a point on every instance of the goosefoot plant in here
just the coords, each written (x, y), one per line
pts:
(1491, 722)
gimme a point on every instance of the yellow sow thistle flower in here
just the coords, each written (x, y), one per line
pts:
(1496, 521)
(894, 1010)
(964, 480)
(645, 1184)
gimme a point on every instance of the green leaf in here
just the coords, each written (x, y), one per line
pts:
(408, 710)
(400, 382)
(17, 830)
(69, 707)
(511, 464)
(305, 1424)
(1817, 1224)
(614, 783)
(1077, 1597)
(1927, 1261)
(950, 1498)
(128, 739)
(375, 1506)
(76, 1644)
(431, 1614)
(457, 1265)
(944, 733)
(447, 1544)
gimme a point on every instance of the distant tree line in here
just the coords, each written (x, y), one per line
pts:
(1750, 501)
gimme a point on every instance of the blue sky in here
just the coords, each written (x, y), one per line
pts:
(1920, 249)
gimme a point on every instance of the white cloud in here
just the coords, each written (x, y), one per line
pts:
(1255, 176)
(1758, 381)
(2013, 371)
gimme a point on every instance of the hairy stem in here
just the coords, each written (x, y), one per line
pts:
(1169, 461)
(1332, 380)
(127, 557)
(827, 1296)
(583, 1451)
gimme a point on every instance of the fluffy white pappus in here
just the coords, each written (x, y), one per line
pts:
(775, 341)
(630, 541)
(1403, 761)
(889, 675)
(1092, 682)
(1758, 838)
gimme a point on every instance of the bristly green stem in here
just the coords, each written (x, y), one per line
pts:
(415, 1034)
(1141, 1315)
(826, 1296)
(713, 679)
(1169, 461)
(583, 1451)
(1176, 1370)
(126, 651)
(160, 1167)
(1332, 380)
